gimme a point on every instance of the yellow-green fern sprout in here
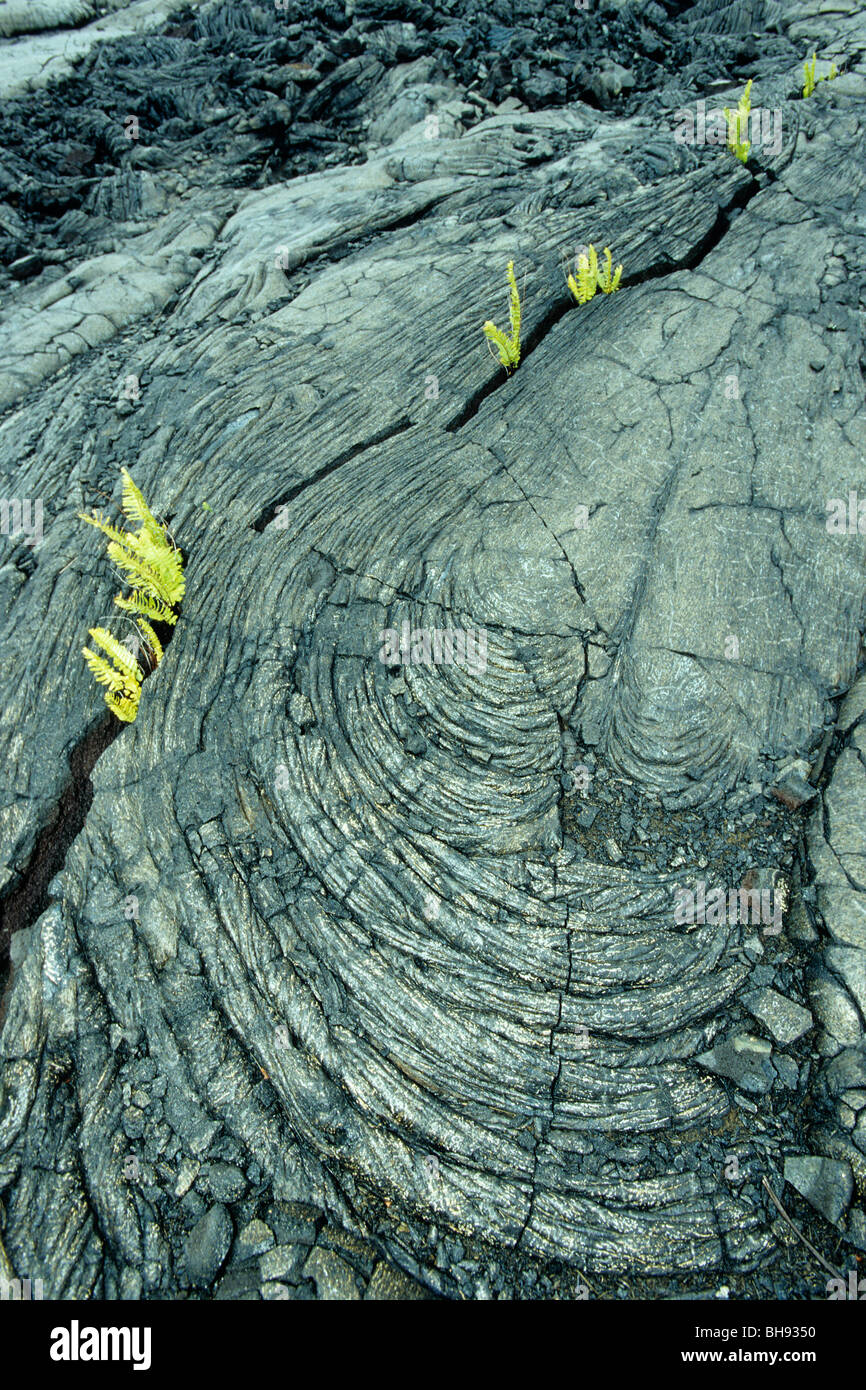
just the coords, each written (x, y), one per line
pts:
(809, 83)
(153, 568)
(153, 643)
(608, 279)
(152, 563)
(148, 608)
(508, 348)
(123, 678)
(584, 287)
(124, 706)
(590, 278)
(737, 122)
(810, 80)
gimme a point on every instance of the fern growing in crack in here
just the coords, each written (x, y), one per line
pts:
(737, 122)
(590, 278)
(810, 81)
(584, 286)
(508, 347)
(123, 677)
(153, 568)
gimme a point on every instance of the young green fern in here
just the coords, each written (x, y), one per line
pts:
(147, 608)
(584, 287)
(123, 678)
(608, 281)
(153, 642)
(590, 278)
(508, 348)
(153, 568)
(737, 122)
(810, 81)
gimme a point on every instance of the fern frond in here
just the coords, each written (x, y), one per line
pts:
(508, 348)
(809, 76)
(811, 81)
(514, 308)
(139, 574)
(149, 569)
(136, 509)
(147, 607)
(123, 679)
(584, 287)
(163, 560)
(162, 570)
(737, 121)
(153, 567)
(166, 561)
(112, 532)
(503, 344)
(119, 654)
(103, 671)
(125, 706)
(608, 281)
(151, 639)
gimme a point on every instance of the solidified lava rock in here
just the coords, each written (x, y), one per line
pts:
(363, 974)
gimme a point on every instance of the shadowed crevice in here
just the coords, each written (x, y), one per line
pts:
(22, 904)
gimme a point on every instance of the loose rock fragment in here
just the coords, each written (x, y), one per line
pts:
(254, 1239)
(207, 1245)
(334, 1278)
(783, 1018)
(825, 1182)
(744, 1059)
